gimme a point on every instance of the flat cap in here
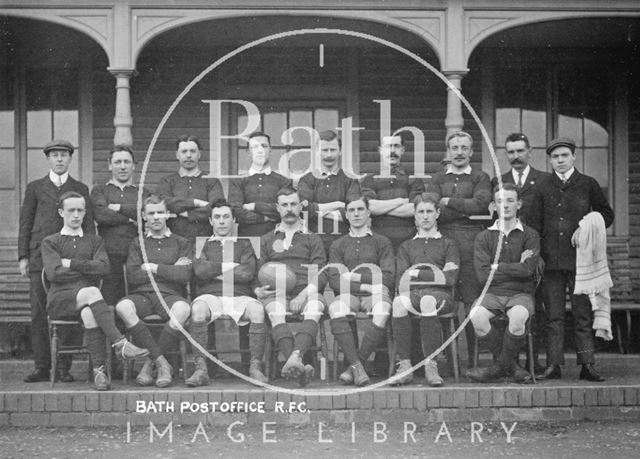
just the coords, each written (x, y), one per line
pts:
(561, 142)
(58, 144)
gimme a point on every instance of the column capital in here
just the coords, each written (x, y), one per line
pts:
(461, 73)
(122, 71)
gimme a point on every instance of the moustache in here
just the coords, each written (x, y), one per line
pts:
(393, 155)
(290, 214)
(516, 161)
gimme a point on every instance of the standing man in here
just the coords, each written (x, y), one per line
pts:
(188, 194)
(254, 197)
(526, 179)
(426, 258)
(567, 196)
(512, 286)
(39, 218)
(169, 261)
(361, 288)
(73, 263)
(293, 246)
(116, 208)
(464, 193)
(391, 199)
(225, 271)
(325, 192)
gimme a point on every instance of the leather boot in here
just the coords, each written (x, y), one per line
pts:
(200, 376)
(165, 372)
(145, 377)
(402, 366)
(360, 377)
(100, 380)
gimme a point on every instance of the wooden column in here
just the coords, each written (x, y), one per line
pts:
(122, 120)
(454, 121)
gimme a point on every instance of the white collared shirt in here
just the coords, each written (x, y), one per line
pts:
(451, 170)
(166, 234)
(265, 171)
(367, 233)
(182, 172)
(498, 227)
(71, 232)
(438, 235)
(300, 229)
(525, 174)
(566, 175)
(58, 180)
(325, 172)
(120, 185)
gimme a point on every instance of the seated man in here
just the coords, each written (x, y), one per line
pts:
(169, 262)
(428, 258)
(224, 272)
(360, 288)
(73, 261)
(291, 245)
(511, 289)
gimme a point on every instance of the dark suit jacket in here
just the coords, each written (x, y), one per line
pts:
(564, 205)
(39, 216)
(530, 213)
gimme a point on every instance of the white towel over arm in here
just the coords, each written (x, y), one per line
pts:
(592, 271)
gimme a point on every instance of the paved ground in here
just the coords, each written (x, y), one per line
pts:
(615, 439)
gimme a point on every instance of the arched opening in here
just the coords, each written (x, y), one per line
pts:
(574, 78)
(308, 80)
(45, 92)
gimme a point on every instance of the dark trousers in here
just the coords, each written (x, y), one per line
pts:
(554, 289)
(39, 325)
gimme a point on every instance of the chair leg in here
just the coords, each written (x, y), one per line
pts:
(336, 353)
(530, 356)
(476, 352)
(628, 314)
(454, 351)
(54, 353)
(183, 358)
(109, 359)
(390, 349)
(324, 347)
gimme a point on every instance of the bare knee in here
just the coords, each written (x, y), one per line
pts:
(428, 306)
(180, 312)
(480, 318)
(313, 310)
(88, 295)
(126, 310)
(200, 311)
(277, 312)
(338, 309)
(88, 319)
(381, 313)
(401, 306)
(518, 316)
(254, 311)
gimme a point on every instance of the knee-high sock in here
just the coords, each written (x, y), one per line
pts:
(200, 333)
(402, 331)
(373, 338)
(511, 345)
(306, 336)
(257, 340)
(95, 338)
(283, 338)
(168, 339)
(492, 340)
(106, 320)
(142, 338)
(341, 329)
(430, 330)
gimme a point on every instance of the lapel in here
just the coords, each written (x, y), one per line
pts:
(532, 179)
(48, 187)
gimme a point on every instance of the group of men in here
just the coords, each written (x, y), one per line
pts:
(389, 246)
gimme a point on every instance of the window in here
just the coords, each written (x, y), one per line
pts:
(52, 113)
(7, 131)
(276, 118)
(552, 101)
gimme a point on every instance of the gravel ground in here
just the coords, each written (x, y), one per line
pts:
(613, 439)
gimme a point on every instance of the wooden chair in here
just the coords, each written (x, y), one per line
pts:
(59, 348)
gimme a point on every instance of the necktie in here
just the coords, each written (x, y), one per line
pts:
(519, 184)
(563, 178)
(58, 181)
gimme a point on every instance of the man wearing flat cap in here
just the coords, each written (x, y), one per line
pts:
(566, 197)
(39, 218)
